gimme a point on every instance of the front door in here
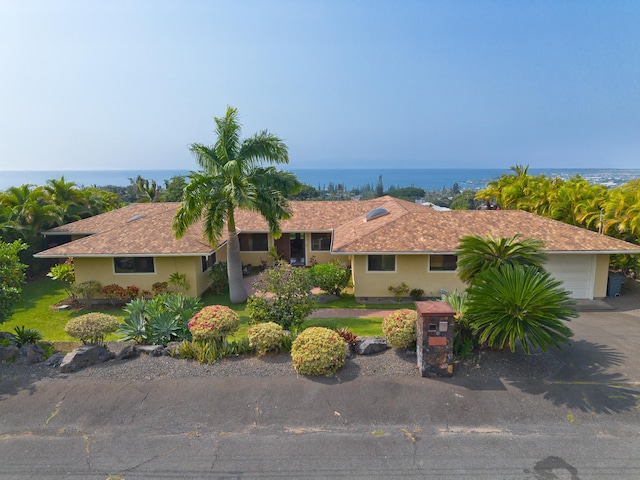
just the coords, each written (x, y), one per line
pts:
(297, 249)
(283, 247)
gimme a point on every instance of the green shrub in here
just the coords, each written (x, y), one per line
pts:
(208, 351)
(265, 336)
(331, 277)
(12, 277)
(400, 328)
(87, 290)
(416, 293)
(399, 291)
(283, 296)
(318, 351)
(218, 276)
(92, 327)
(214, 322)
(26, 335)
(64, 273)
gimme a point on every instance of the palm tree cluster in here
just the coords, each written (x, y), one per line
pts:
(27, 210)
(614, 212)
(510, 296)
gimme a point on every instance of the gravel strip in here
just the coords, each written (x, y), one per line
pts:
(488, 365)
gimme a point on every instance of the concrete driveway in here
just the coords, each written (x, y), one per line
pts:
(581, 423)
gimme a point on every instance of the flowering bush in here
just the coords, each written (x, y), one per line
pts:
(130, 293)
(318, 351)
(112, 292)
(214, 323)
(265, 336)
(400, 327)
(92, 327)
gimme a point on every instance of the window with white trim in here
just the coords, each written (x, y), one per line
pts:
(320, 242)
(253, 242)
(381, 263)
(134, 265)
(443, 263)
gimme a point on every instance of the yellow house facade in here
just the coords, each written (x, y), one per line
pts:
(385, 241)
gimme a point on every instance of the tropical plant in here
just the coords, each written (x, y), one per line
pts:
(265, 337)
(348, 336)
(477, 253)
(24, 336)
(65, 273)
(400, 328)
(331, 277)
(283, 296)
(318, 351)
(162, 328)
(92, 327)
(512, 302)
(133, 327)
(232, 178)
(179, 282)
(12, 277)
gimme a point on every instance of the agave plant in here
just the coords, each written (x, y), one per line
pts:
(162, 328)
(517, 302)
(134, 327)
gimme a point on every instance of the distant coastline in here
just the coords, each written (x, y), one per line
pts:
(427, 178)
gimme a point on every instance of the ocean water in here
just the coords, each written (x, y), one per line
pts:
(425, 178)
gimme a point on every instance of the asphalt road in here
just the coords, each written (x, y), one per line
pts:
(581, 423)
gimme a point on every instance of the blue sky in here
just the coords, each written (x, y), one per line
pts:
(435, 84)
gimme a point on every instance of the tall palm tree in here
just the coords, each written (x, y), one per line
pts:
(477, 254)
(232, 177)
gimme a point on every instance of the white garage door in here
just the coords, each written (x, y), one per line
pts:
(576, 271)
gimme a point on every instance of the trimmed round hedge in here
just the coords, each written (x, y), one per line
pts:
(265, 336)
(92, 327)
(400, 328)
(214, 322)
(318, 351)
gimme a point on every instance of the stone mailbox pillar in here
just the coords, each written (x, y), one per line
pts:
(435, 338)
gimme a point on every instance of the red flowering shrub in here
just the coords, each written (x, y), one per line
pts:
(214, 323)
(318, 351)
(400, 327)
(112, 292)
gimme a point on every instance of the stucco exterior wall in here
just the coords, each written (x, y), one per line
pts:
(101, 269)
(601, 276)
(410, 269)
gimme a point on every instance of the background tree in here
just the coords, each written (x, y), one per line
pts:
(232, 177)
(379, 187)
(12, 275)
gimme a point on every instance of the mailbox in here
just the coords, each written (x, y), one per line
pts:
(435, 338)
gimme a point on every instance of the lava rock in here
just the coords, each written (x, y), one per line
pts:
(371, 345)
(84, 356)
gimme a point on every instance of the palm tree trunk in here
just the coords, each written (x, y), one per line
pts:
(237, 292)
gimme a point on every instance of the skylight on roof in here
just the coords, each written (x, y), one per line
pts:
(135, 217)
(376, 212)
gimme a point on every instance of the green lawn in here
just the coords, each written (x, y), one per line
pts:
(39, 295)
(33, 311)
(348, 301)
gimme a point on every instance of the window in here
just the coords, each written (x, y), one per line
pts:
(253, 242)
(208, 261)
(442, 263)
(320, 242)
(133, 265)
(381, 263)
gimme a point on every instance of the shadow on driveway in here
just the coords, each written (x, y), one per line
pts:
(584, 382)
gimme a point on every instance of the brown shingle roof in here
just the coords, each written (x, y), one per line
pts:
(139, 229)
(407, 228)
(440, 232)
